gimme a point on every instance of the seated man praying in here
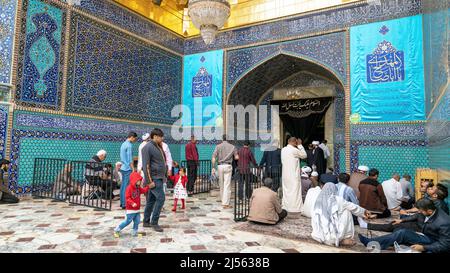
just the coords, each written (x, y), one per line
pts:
(265, 207)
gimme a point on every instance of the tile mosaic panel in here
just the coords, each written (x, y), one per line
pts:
(40, 68)
(7, 21)
(113, 13)
(401, 156)
(116, 75)
(3, 129)
(436, 30)
(328, 50)
(310, 23)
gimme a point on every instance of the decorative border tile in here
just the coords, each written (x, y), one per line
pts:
(3, 129)
(382, 131)
(7, 21)
(310, 23)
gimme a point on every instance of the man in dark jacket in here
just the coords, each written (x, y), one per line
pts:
(271, 160)
(434, 226)
(155, 172)
(372, 196)
(246, 159)
(6, 197)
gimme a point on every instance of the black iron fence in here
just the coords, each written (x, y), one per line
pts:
(77, 182)
(248, 180)
(199, 172)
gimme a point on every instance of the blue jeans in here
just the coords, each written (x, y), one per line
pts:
(402, 236)
(131, 217)
(155, 202)
(123, 187)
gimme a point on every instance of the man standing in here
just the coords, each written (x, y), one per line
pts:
(317, 160)
(145, 140)
(245, 159)
(292, 189)
(192, 163)
(357, 177)
(224, 153)
(271, 160)
(393, 191)
(155, 170)
(169, 162)
(326, 151)
(126, 157)
(372, 195)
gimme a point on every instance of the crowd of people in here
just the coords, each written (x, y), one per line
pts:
(335, 203)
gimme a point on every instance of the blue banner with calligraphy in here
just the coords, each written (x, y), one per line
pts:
(387, 76)
(203, 88)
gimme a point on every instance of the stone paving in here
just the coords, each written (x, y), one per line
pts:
(42, 225)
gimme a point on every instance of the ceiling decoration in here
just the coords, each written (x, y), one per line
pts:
(174, 15)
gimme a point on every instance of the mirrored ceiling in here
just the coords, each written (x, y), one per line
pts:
(173, 14)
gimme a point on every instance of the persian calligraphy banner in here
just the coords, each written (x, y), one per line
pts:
(203, 87)
(387, 76)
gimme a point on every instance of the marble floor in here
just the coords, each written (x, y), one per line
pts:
(42, 225)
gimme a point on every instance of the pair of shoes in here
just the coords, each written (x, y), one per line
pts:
(146, 224)
(134, 233)
(174, 209)
(363, 240)
(116, 234)
(157, 228)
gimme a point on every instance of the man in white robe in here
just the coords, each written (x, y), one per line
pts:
(145, 140)
(292, 188)
(332, 220)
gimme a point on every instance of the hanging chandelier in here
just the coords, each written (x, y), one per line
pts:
(209, 16)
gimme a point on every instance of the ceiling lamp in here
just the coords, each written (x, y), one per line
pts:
(209, 16)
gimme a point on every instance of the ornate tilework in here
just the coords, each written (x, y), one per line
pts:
(36, 121)
(128, 20)
(40, 67)
(310, 23)
(339, 158)
(328, 50)
(3, 128)
(388, 131)
(7, 18)
(389, 156)
(116, 75)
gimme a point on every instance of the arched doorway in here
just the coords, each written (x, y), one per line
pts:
(289, 78)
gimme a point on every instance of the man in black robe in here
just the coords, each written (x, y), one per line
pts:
(316, 159)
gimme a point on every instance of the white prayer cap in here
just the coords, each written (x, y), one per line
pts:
(101, 152)
(145, 136)
(363, 168)
(118, 163)
(315, 174)
(306, 169)
(315, 142)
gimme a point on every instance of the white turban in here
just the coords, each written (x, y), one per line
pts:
(363, 168)
(315, 142)
(306, 170)
(145, 136)
(315, 174)
(101, 152)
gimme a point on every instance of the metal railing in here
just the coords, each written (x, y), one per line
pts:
(200, 173)
(249, 180)
(77, 182)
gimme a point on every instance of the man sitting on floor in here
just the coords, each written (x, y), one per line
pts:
(372, 195)
(433, 223)
(437, 194)
(6, 197)
(265, 208)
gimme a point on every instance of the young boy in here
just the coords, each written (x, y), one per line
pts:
(133, 204)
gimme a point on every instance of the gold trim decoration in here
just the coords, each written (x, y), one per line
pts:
(66, 61)
(347, 103)
(224, 92)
